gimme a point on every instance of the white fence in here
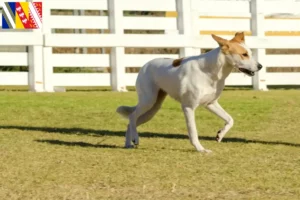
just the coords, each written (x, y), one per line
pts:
(194, 17)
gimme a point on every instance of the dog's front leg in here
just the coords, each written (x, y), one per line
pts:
(216, 108)
(189, 114)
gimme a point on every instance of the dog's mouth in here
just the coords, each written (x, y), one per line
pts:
(246, 71)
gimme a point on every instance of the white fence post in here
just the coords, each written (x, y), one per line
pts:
(35, 66)
(47, 52)
(257, 28)
(117, 53)
(80, 13)
(185, 24)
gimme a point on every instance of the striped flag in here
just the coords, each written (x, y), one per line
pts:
(22, 15)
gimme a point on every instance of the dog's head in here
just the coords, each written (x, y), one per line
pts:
(238, 54)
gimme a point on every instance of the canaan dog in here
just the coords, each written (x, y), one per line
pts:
(192, 81)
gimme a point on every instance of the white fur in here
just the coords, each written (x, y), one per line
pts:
(198, 81)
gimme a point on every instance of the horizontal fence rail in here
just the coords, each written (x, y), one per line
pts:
(204, 41)
(73, 31)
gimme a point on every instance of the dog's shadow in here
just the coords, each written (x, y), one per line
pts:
(99, 133)
(81, 144)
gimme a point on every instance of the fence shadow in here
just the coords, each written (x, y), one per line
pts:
(99, 133)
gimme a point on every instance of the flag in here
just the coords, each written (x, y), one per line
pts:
(22, 15)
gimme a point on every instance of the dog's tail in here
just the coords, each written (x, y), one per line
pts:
(125, 111)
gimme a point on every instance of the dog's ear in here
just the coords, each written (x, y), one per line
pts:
(239, 37)
(221, 41)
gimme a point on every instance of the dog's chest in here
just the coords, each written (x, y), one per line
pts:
(206, 99)
(210, 93)
(203, 94)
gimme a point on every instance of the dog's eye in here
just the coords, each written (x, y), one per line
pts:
(245, 54)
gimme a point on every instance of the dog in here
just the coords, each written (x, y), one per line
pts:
(192, 81)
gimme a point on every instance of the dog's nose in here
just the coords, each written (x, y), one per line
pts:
(259, 66)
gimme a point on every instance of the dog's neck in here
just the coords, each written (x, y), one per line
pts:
(216, 64)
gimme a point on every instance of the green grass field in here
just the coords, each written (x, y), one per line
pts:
(70, 146)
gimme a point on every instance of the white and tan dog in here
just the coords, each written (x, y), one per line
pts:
(192, 81)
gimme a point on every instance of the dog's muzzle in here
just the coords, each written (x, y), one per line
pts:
(246, 71)
(259, 66)
(251, 73)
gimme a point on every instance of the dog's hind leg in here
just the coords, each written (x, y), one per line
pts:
(147, 116)
(147, 99)
(131, 134)
(219, 111)
(189, 114)
(151, 113)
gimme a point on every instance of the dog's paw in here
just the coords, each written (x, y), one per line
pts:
(135, 142)
(219, 136)
(129, 146)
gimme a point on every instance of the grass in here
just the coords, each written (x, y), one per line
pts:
(70, 146)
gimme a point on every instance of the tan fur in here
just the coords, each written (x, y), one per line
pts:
(177, 62)
(219, 40)
(232, 46)
(239, 37)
